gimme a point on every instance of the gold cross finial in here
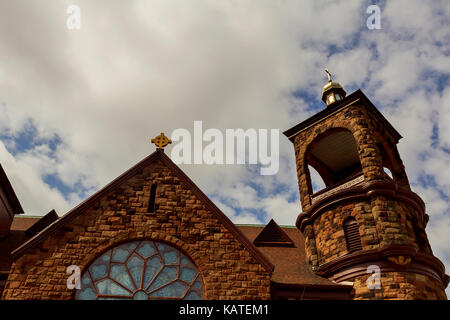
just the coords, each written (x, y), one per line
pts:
(161, 141)
(328, 74)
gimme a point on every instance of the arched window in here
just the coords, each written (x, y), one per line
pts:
(352, 237)
(141, 270)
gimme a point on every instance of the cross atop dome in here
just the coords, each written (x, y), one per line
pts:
(332, 91)
(328, 74)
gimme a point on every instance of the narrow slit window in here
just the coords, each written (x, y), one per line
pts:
(352, 237)
(151, 202)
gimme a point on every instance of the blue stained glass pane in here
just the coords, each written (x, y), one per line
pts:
(174, 290)
(146, 249)
(86, 294)
(151, 268)
(170, 257)
(119, 273)
(140, 295)
(99, 271)
(86, 280)
(187, 274)
(120, 254)
(107, 286)
(166, 275)
(135, 265)
(99, 268)
(178, 289)
(193, 295)
(106, 256)
(197, 284)
(86, 291)
(185, 261)
(161, 247)
(131, 245)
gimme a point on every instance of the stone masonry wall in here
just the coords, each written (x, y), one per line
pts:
(228, 270)
(329, 231)
(400, 286)
(381, 221)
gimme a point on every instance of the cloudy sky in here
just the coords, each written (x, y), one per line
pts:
(78, 107)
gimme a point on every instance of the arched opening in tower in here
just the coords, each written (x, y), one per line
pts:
(317, 182)
(334, 155)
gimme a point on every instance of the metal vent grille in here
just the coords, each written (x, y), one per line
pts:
(352, 236)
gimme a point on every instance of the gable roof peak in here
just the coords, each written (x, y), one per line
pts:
(273, 236)
(155, 156)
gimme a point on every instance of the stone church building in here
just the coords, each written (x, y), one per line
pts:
(153, 234)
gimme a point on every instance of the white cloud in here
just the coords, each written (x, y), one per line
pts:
(36, 197)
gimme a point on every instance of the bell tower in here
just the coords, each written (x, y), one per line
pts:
(366, 224)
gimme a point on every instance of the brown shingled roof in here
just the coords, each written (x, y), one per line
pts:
(290, 262)
(23, 223)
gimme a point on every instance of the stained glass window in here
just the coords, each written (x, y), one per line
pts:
(141, 270)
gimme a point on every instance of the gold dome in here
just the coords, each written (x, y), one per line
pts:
(330, 85)
(332, 92)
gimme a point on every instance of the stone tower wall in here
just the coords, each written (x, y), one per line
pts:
(382, 221)
(391, 218)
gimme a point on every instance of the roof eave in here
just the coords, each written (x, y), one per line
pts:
(10, 193)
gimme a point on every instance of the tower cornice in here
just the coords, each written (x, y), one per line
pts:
(390, 258)
(352, 99)
(361, 191)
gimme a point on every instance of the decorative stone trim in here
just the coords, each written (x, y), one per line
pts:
(388, 259)
(362, 191)
(318, 196)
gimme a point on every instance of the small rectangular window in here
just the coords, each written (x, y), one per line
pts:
(151, 202)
